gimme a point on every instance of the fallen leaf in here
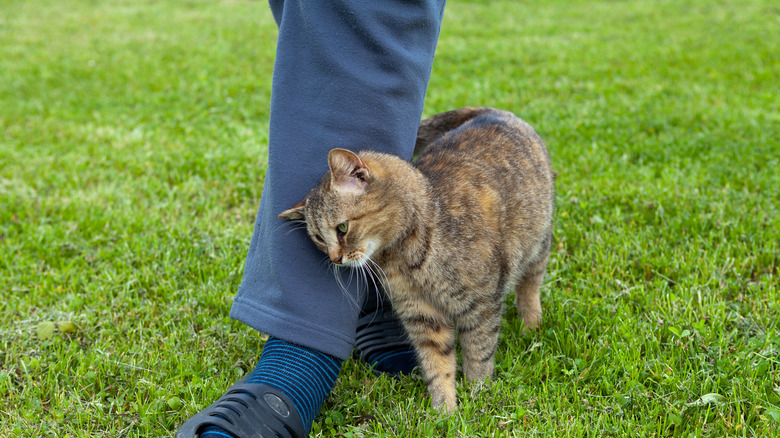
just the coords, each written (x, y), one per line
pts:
(709, 399)
(774, 413)
(66, 327)
(45, 330)
(174, 402)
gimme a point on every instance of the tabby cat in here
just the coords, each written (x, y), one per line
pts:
(452, 232)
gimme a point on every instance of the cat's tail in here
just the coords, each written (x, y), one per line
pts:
(435, 126)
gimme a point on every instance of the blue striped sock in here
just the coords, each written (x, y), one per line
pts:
(303, 374)
(216, 432)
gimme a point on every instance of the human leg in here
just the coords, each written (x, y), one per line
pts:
(347, 73)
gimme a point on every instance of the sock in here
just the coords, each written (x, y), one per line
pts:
(303, 374)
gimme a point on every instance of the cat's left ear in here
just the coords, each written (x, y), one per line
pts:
(295, 213)
(347, 171)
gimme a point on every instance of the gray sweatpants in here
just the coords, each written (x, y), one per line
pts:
(348, 73)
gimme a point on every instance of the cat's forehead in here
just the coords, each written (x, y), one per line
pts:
(328, 205)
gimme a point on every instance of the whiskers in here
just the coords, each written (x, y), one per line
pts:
(368, 276)
(337, 274)
(370, 270)
(292, 226)
(376, 273)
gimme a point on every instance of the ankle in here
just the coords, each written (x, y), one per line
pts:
(305, 375)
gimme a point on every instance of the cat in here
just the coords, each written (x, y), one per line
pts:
(452, 232)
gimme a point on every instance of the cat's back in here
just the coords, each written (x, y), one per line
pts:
(491, 180)
(470, 150)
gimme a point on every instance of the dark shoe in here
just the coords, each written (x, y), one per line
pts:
(381, 341)
(248, 410)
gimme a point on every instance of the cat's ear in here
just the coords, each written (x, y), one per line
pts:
(347, 171)
(295, 213)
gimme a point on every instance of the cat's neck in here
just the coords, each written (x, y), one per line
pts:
(411, 191)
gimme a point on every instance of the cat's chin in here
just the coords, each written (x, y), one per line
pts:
(356, 263)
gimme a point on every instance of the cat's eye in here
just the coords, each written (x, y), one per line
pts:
(343, 227)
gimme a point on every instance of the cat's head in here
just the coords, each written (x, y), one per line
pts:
(350, 215)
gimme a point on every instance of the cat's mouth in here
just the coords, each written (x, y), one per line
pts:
(358, 263)
(358, 258)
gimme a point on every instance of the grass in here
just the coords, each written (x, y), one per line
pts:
(132, 155)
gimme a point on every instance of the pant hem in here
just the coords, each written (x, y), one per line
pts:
(292, 329)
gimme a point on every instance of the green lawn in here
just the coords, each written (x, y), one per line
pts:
(132, 151)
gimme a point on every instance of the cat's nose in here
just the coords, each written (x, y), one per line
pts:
(336, 259)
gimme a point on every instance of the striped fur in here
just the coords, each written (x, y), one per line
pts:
(453, 233)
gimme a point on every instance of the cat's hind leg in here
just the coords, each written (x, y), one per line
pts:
(527, 293)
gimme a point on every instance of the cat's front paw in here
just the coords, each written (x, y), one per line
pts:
(444, 403)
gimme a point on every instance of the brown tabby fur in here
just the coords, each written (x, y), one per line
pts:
(453, 233)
